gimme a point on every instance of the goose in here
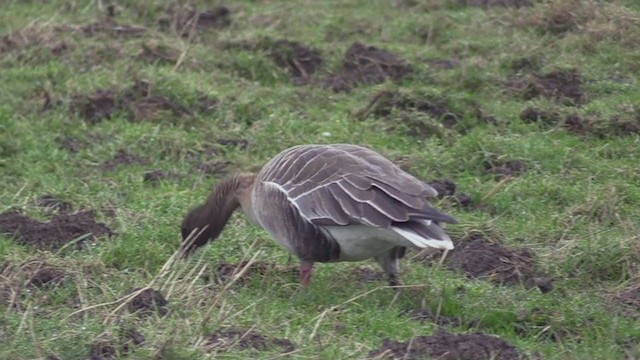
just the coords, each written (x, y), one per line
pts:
(327, 203)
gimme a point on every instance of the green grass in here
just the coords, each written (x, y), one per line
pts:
(576, 206)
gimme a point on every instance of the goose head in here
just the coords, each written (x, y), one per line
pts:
(207, 220)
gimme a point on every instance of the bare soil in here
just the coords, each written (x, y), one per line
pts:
(137, 102)
(446, 188)
(62, 229)
(631, 297)
(369, 65)
(241, 144)
(225, 339)
(300, 60)
(563, 86)
(148, 302)
(480, 258)
(447, 346)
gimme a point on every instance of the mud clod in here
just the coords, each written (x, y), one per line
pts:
(54, 234)
(444, 187)
(575, 123)
(369, 65)
(300, 60)
(225, 339)
(103, 351)
(383, 103)
(563, 86)
(51, 203)
(502, 168)
(631, 297)
(95, 107)
(447, 346)
(149, 301)
(482, 259)
(47, 276)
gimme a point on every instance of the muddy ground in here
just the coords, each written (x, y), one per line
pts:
(148, 302)
(56, 233)
(447, 346)
(480, 258)
(363, 64)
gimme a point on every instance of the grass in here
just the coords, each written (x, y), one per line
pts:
(576, 206)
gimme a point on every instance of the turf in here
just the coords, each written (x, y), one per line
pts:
(136, 109)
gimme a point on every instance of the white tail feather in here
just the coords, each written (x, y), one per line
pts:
(423, 242)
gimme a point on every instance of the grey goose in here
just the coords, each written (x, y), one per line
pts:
(328, 203)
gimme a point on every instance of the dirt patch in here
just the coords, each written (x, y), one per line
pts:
(533, 115)
(495, 3)
(148, 302)
(563, 86)
(447, 346)
(300, 60)
(225, 339)
(51, 203)
(383, 104)
(59, 231)
(95, 107)
(187, 21)
(18, 281)
(446, 188)
(131, 338)
(630, 296)
(575, 124)
(369, 65)
(480, 258)
(137, 102)
(123, 157)
(502, 168)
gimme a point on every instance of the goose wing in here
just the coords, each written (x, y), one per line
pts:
(346, 184)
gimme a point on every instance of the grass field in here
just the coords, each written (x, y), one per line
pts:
(117, 118)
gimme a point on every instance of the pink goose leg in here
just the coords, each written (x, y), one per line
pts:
(306, 270)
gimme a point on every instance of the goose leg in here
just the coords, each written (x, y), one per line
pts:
(306, 271)
(390, 263)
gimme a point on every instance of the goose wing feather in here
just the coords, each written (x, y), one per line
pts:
(348, 184)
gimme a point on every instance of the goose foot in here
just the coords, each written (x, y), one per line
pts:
(306, 271)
